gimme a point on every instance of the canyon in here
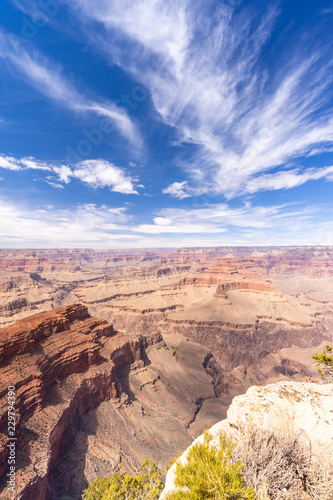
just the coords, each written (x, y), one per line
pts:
(244, 304)
(116, 355)
(91, 401)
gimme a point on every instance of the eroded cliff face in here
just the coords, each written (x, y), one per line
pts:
(306, 407)
(170, 283)
(91, 401)
(261, 312)
(115, 396)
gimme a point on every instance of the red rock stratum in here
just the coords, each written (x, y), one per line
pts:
(91, 401)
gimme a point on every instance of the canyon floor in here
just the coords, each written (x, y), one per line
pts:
(117, 355)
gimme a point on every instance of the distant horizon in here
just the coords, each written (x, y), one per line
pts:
(162, 248)
(155, 123)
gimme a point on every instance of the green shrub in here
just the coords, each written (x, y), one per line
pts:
(325, 363)
(145, 486)
(211, 473)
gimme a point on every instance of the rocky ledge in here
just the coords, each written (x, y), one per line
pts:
(307, 406)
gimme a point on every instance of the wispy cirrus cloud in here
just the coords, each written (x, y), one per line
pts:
(94, 173)
(55, 185)
(102, 226)
(160, 28)
(87, 225)
(286, 179)
(221, 217)
(181, 190)
(11, 163)
(208, 79)
(49, 79)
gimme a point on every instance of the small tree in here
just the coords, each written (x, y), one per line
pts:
(211, 473)
(325, 363)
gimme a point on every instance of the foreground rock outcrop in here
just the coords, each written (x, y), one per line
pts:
(91, 401)
(308, 406)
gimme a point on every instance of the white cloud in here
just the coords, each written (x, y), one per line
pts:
(85, 226)
(100, 173)
(92, 226)
(181, 190)
(95, 173)
(9, 163)
(160, 27)
(207, 79)
(221, 218)
(32, 163)
(55, 184)
(64, 173)
(180, 227)
(286, 179)
(49, 79)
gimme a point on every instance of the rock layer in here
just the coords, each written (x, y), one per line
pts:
(91, 401)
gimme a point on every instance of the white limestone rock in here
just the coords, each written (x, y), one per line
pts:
(309, 405)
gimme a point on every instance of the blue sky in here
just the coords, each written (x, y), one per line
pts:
(161, 123)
